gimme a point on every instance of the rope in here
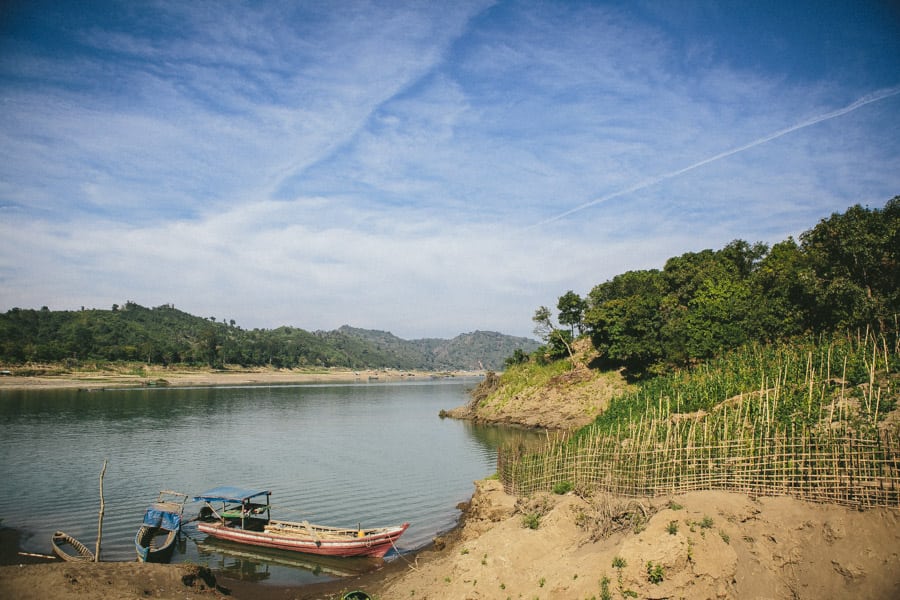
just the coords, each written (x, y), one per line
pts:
(408, 564)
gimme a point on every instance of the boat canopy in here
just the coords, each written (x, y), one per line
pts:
(165, 519)
(227, 493)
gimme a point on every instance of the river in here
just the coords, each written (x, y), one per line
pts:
(338, 454)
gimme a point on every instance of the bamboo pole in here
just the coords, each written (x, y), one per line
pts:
(100, 518)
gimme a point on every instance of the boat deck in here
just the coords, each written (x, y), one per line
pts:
(317, 532)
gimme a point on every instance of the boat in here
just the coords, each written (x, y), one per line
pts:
(155, 540)
(62, 542)
(244, 516)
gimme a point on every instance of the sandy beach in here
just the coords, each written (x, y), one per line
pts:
(148, 376)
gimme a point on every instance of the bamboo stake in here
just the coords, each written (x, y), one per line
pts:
(100, 518)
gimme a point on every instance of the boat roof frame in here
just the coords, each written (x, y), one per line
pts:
(227, 493)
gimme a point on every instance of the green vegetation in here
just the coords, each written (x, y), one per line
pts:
(531, 520)
(563, 487)
(764, 370)
(843, 274)
(655, 573)
(605, 594)
(799, 417)
(165, 335)
(777, 385)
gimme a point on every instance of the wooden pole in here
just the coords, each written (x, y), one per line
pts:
(100, 518)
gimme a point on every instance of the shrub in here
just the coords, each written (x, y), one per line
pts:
(563, 487)
(531, 521)
(655, 573)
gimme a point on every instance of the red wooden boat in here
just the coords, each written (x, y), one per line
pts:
(243, 516)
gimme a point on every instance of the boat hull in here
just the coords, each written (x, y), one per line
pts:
(375, 545)
(154, 544)
(61, 540)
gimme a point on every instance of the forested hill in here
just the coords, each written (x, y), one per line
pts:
(843, 275)
(166, 335)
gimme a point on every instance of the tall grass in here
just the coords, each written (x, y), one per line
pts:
(800, 419)
(529, 375)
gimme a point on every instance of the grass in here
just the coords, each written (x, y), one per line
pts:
(563, 487)
(655, 573)
(531, 521)
(799, 419)
(519, 378)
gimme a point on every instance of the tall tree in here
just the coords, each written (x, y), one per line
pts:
(854, 258)
(571, 311)
(550, 333)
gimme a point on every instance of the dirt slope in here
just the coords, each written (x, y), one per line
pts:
(699, 545)
(106, 581)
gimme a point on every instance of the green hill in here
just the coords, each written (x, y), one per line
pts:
(166, 335)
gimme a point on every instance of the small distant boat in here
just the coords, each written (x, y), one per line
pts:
(64, 544)
(243, 516)
(155, 540)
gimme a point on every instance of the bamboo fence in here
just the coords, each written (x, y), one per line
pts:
(792, 436)
(841, 467)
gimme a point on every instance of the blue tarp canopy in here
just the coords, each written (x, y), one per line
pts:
(227, 493)
(162, 518)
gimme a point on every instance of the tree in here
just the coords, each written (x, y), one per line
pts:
(518, 357)
(781, 292)
(717, 318)
(547, 331)
(624, 318)
(571, 311)
(856, 265)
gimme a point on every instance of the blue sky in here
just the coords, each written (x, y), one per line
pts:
(427, 168)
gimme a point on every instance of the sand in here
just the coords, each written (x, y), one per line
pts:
(698, 545)
(148, 376)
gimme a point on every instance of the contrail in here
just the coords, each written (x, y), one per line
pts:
(869, 99)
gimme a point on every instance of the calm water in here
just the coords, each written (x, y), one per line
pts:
(369, 453)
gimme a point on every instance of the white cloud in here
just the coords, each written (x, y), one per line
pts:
(402, 167)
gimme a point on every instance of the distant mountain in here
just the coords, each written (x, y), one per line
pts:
(467, 351)
(165, 335)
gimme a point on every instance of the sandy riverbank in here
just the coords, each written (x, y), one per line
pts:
(181, 377)
(698, 545)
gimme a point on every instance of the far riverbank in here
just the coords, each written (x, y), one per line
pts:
(158, 376)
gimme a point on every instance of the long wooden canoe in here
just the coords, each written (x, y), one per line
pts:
(231, 514)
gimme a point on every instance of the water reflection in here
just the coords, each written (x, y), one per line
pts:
(254, 564)
(376, 454)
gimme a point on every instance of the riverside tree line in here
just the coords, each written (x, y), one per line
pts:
(165, 335)
(842, 274)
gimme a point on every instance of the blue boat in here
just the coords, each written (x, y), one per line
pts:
(155, 540)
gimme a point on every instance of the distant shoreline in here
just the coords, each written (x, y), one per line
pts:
(156, 376)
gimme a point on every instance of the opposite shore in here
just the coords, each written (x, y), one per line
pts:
(157, 376)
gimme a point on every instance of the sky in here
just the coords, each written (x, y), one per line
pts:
(424, 168)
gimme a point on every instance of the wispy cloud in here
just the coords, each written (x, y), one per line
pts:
(427, 169)
(861, 102)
